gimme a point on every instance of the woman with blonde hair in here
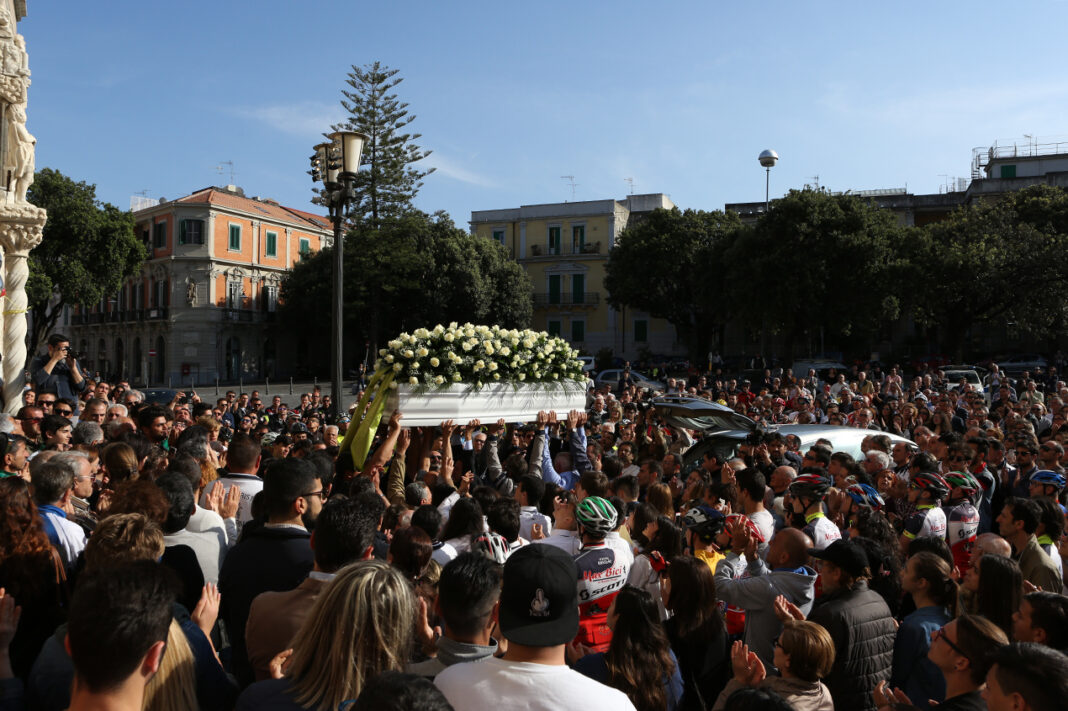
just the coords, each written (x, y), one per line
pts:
(361, 625)
(118, 463)
(174, 686)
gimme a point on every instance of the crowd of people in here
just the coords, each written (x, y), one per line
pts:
(235, 554)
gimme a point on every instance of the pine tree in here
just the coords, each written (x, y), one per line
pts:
(389, 185)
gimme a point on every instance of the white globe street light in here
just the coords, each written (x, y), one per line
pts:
(767, 159)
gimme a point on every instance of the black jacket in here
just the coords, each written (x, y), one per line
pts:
(863, 631)
(266, 559)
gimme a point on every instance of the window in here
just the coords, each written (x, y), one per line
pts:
(641, 330)
(235, 238)
(553, 327)
(159, 235)
(272, 244)
(234, 294)
(272, 298)
(305, 247)
(146, 236)
(139, 295)
(554, 288)
(578, 288)
(191, 232)
(498, 237)
(1008, 171)
(578, 238)
(578, 331)
(554, 240)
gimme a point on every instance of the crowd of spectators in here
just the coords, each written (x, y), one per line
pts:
(234, 554)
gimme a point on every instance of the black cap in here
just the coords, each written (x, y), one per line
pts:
(847, 555)
(539, 597)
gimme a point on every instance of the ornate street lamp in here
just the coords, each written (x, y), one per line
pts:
(335, 164)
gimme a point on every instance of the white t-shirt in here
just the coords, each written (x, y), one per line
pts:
(624, 553)
(499, 685)
(764, 522)
(249, 484)
(528, 516)
(567, 541)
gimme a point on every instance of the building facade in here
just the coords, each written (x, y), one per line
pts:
(564, 248)
(203, 307)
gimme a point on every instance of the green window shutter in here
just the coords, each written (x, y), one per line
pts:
(235, 237)
(553, 327)
(578, 236)
(554, 240)
(554, 289)
(181, 231)
(641, 330)
(578, 288)
(272, 244)
(1008, 171)
(578, 331)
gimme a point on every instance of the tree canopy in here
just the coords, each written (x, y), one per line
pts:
(667, 265)
(416, 270)
(388, 181)
(87, 250)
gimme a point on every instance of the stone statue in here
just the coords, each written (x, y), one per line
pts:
(7, 27)
(21, 61)
(20, 156)
(191, 293)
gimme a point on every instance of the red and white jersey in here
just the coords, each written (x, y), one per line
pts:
(601, 575)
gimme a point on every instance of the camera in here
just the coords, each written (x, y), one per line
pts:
(71, 353)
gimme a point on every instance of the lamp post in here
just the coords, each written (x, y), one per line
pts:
(334, 165)
(768, 159)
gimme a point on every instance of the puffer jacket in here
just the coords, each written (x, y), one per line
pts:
(863, 631)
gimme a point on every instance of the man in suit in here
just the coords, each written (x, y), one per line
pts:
(343, 534)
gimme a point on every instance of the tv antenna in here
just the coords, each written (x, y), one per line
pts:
(219, 169)
(630, 182)
(815, 181)
(571, 182)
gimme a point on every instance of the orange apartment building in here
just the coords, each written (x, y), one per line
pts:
(204, 305)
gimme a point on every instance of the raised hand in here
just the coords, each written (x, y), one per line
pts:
(231, 503)
(207, 609)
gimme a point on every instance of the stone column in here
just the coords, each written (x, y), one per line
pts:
(21, 227)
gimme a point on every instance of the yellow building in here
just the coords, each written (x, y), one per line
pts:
(564, 248)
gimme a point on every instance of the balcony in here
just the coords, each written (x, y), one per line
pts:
(155, 314)
(239, 315)
(554, 301)
(541, 251)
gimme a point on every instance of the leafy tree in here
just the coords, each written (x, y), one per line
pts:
(413, 271)
(993, 263)
(667, 264)
(817, 261)
(389, 180)
(88, 249)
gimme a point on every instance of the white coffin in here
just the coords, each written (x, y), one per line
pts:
(462, 403)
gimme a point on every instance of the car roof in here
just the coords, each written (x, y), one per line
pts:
(843, 439)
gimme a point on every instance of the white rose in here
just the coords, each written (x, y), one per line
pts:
(439, 329)
(489, 350)
(413, 380)
(415, 365)
(449, 337)
(496, 376)
(395, 344)
(389, 357)
(422, 352)
(393, 385)
(422, 333)
(528, 343)
(492, 366)
(382, 351)
(438, 380)
(467, 346)
(398, 367)
(522, 376)
(506, 351)
(434, 362)
(455, 377)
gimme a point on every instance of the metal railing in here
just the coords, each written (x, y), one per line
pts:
(566, 299)
(982, 156)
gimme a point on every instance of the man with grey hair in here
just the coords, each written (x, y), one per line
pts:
(81, 468)
(87, 433)
(133, 397)
(53, 487)
(7, 423)
(117, 412)
(876, 461)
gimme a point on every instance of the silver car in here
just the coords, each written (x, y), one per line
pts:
(612, 377)
(724, 430)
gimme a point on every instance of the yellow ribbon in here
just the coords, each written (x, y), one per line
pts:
(15, 311)
(361, 442)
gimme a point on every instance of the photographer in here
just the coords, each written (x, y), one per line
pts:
(58, 372)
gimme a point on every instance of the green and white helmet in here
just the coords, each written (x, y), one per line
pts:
(596, 516)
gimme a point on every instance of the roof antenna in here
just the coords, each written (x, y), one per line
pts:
(219, 169)
(571, 180)
(630, 182)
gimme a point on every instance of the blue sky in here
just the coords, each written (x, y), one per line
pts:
(679, 96)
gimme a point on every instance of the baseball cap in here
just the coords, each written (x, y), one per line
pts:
(298, 427)
(539, 597)
(847, 555)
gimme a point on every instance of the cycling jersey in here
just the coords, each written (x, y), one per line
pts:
(601, 575)
(961, 530)
(928, 520)
(820, 529)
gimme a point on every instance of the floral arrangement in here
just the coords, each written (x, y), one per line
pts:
(477, 355)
